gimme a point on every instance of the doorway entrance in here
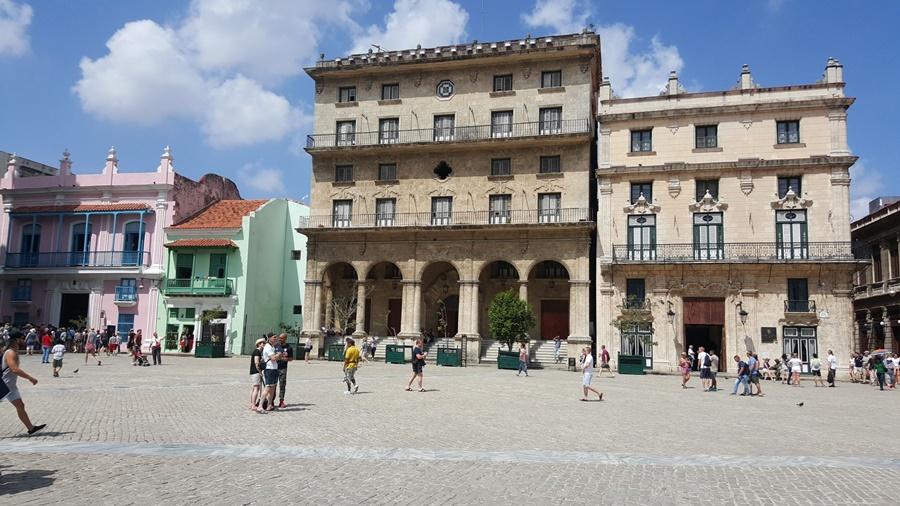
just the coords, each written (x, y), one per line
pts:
(704, 325)
(554, 319)
(707, 336)
(74, 307)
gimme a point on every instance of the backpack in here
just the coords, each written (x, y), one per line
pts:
(707, 362)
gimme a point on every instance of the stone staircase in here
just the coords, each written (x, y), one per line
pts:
(541, 353)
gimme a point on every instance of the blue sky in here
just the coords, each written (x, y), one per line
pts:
(221, 81)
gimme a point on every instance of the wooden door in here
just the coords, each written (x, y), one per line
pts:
(395, 312)
(704, 311)
(554, 319)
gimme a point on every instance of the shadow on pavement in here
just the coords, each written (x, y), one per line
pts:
(40, 434)
(13, 482)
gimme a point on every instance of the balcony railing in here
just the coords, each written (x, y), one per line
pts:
(21, 294)
(733, 252)
(125, 294)
(636, 303)
(799, 306)
(449, 134)
(447, 219)
(77, 259)
(200, 286)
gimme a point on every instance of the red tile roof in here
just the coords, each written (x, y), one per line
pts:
(82, 208)
(222, 214)
(201, 243)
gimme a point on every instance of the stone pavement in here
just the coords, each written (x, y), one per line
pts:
(182, 433)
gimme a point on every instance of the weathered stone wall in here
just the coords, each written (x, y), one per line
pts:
(191, 196)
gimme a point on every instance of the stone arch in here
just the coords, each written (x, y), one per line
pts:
(422, 266)
(548, 294)
(339, 281)
(384, 304)
(440, 286)
(494, 277)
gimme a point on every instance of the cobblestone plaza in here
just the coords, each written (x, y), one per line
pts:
(181, 433)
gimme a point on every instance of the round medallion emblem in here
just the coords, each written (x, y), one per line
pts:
(445, 89)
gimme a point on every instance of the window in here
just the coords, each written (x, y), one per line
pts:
(786, 183)
(184, 265)
(343, 173)
(127, 290)
(217, 265)
(298, 309)
(635, 293)
(30, 245)
(501, 167)
(501, 123)
(551, 79)
(441, 210)
(125, 324)
(550, 120)
(388, 130)
(443, 127)
(549, 207)
(706, 136)
(641, 141)
(503, 270)
(132, 243)
(788, 132)
(503, 82)
(638, 341)
(708, 237)
(704, 186)
(346, 133)
(390, 91)
(341, 213)
(296, 254)
(877, 275)
(391, 271)
(499, 208)
(387, 172)
(638, 189)
(791, 234)
(798, 295)
(188, 313)
(642, 237)
(802, 341)
(551, 270)
(22, 290)
(173, 312)
(347, 94)
(384, 212)
(550, 164)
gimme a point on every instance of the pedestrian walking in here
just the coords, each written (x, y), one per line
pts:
(713, 370)
(307, 345)
(878, 369)
(46, 344)
(692, 356)
(287, 355)
(890, 363)
(418, 365)
(58, 350)
(587, 374)
(112, 344)
(31, 340)
(256, 381)
(156, 349)
(270, 371)
(604, 362)
(557, 346)
(90, 350)
(753, 377)
(684, 365)
(705, 364)
(9, 373)
(743, 374)
(523, 360)
(796, 368)
(832, 367)
(351, 364)
(785, 369)
(373, 346)
(815, 368)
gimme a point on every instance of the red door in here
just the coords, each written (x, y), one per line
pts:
(554, 319)
(395, 309)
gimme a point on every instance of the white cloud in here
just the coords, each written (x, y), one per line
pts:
(242, 113)
(14, 21)
(262, 179)
(412, 22)
(865, 185)
(633, 72)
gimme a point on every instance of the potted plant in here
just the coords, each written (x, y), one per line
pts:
(510, 319)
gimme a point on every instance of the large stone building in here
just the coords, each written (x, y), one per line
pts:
(876, 297)
(724, 221)
(442, 176)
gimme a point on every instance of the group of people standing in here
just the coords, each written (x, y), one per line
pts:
(878, 368)
(268, 371)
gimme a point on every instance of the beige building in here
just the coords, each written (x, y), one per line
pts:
(724, 221)
(443, 176)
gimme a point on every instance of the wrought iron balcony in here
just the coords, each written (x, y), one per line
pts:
(125, 295)
(444, 135)
(447, 219)
(77, 259)
(209, 287)
(632, 302)
(21, 294)
(799, 306)
(739, 252)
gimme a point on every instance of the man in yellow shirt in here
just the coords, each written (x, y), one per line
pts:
(351, 361)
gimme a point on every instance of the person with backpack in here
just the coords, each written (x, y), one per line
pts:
(705, 363)
(743, 374)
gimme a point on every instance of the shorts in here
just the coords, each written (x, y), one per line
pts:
(13, 394)
(89, 348)
(29, 347)
(57, 362)
(270, 377)
(417, 367)
(586, 379)
(817, 372)
(704, 373)
(754, 378)
(604, 365)
(256, 379)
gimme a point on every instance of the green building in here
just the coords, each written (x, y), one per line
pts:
(234, 271)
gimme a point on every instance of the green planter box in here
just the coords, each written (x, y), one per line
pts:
(508, 360)
(209, 350)
(631, 364)
(448, 356)
(300, 352)
(395, 354)
(336, 352)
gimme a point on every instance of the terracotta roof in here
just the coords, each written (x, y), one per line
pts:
(222, 214)
(201, 243)
(82, 208)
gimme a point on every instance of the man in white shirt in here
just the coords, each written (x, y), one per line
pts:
(587, 369)
(270, 373)
(832, 367)
(705, 363)
(58, 351)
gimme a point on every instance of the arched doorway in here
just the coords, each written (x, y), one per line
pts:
(384, 304)
(548, 288)
(496, 277)
(339, 283)
(440, 300)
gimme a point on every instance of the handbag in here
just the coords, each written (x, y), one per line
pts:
(4, 389)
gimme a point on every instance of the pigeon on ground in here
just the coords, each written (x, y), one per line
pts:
(75, 371)
(800, 404)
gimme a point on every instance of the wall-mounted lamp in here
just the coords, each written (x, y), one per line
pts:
(141, 285)
(670, 313)
(742, 313)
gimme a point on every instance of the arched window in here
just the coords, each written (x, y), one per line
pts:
(131, 245)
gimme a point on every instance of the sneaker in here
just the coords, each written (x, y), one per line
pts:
(281, 405)
(260, 410)
(347, 392)
(36, 428)
(355, 388)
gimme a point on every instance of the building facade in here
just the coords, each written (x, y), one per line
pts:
(876, 300)
(445, 175)
(233, 271)
(86, 249)
(724, 221)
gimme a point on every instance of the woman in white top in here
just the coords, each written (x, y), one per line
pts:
(587, 369)
(308, 346)
(796, 367)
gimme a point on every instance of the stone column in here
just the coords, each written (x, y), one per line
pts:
(837, 122)
(317, 306)
(360, 309)
(523, 290)
(309, 306)
(578, 313)
(474, 329)
(462, 316)
(329, 308)
(407, 305)
(885, 248)
(417, 308)
(888, 331)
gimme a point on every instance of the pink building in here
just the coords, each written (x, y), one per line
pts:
(89, 247)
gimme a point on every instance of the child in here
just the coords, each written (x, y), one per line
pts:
(58, 351)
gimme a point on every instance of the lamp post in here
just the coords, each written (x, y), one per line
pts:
(742, 313)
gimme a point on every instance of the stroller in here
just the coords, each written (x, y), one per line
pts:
(139, 358)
